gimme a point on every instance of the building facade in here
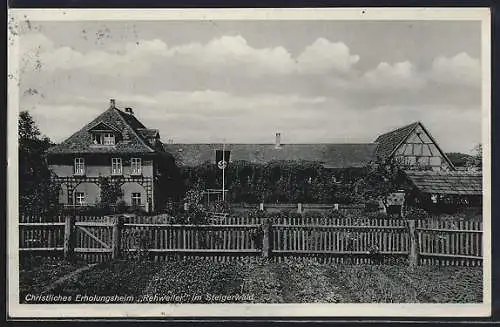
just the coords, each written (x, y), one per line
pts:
(114, 149)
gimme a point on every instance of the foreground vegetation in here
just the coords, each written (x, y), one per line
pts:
(258, 281)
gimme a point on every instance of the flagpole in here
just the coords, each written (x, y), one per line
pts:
(223, 169)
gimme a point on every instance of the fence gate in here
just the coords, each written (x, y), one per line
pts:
(93, 240)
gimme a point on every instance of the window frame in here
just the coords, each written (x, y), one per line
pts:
(79, 200)
(108, 137)
(79, 166)
(136, 199)
(104, 138)
(116, 162)
(135, 166)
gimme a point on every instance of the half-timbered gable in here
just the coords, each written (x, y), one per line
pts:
(412, 147)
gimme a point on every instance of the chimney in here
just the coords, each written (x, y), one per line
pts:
(112, 103)
(278, 140)
(129, 111)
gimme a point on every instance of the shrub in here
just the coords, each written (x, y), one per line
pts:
(413, 213)
(335, 214)
(121, 206)
(137, 210)
(372, 206)
(377, 215)
(314, 214)
(220, 206)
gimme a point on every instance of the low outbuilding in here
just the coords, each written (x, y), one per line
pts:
(444, 191)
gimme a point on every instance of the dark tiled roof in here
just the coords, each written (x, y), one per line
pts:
(148, 133)
(81, 141)
(331, 155)
(447, 182)
(131, 120)
(388, 142)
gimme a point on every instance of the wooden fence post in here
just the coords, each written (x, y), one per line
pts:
(413, 254)
(117, 233)
(69, 237)
(266, 238)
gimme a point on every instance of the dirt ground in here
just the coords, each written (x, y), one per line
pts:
(255, 281)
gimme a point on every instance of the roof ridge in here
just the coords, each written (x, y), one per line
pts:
(438, 147)
(398, 129)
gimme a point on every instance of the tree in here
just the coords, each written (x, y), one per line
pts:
(37, 190)
(381, 180)
(111, 192)
(459, 159)
(196, 212)
(476, 160)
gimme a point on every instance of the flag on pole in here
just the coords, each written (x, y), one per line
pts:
(222, 160)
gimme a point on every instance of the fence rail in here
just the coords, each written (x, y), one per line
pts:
(97, 239)
(297, 207)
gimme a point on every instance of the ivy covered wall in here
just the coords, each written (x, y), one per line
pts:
(277, 182)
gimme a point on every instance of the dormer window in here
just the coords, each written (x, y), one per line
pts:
(103, 138)
(104, 134)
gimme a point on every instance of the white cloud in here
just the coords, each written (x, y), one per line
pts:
(320, 57)
(323, 56)
(232, 52)
(234, 55)
(460, 69)
(456, 77)
(388, 77)
(219, 55)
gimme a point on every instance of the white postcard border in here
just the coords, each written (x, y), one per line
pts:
(17, 310)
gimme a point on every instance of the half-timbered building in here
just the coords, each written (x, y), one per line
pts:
(117, 147)
(412, 147)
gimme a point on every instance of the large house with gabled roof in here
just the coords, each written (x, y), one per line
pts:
(117, 146)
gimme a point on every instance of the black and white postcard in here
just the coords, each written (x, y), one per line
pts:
(266, 162)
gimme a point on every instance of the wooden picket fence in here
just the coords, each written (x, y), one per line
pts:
(343, 240)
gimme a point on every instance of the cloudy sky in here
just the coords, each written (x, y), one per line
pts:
(314, 81)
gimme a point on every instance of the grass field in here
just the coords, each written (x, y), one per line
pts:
(258, 281)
